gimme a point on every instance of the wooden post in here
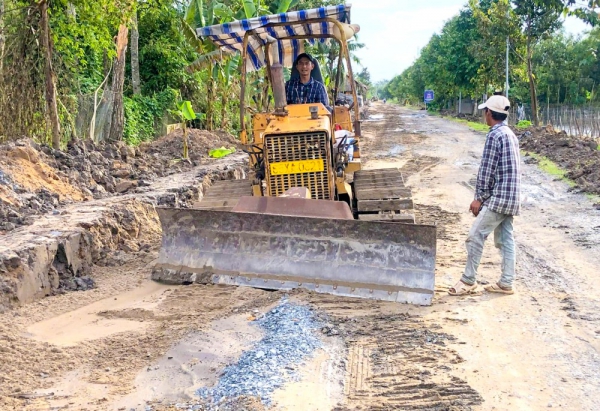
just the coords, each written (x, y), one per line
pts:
(135, 55)
(51, 106)
(117, 124)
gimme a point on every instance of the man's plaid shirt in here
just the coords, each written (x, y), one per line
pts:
(499, 178)
(311, 92)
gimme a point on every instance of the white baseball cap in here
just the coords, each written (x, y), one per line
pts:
(499, 104)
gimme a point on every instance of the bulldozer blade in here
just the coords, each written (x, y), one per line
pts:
(376, 260)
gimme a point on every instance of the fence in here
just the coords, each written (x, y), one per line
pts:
(578, 121)
(85, 113)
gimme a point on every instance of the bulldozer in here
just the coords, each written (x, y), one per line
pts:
(308, 215)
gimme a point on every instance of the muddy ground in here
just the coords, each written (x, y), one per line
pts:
(130, 343)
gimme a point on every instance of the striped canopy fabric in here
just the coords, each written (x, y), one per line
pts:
(229, 37)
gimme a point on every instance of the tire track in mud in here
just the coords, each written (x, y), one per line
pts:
(418, 164)
(395, 361)
(398, 360)
(445, 221)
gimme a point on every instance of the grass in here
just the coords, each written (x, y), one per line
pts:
(593, 197)
(550, 167)
(523, 124)
(472, 124)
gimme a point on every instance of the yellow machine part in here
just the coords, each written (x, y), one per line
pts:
(393, 262)
(342, 117)
(284, 241)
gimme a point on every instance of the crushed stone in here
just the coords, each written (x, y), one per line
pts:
(291, 336)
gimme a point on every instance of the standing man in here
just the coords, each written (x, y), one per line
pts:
(497, 200)
(306, 90)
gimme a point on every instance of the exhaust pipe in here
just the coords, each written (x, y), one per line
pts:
(277, 80)
(278, 85)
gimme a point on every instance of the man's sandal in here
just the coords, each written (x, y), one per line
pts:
(497, 288)
(461, 288)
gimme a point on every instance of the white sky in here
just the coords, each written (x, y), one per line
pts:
(395, 30)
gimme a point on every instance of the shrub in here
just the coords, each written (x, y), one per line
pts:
(142, 114)
(524, 124)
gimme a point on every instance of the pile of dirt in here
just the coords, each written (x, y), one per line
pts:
(580, 157)
(200, 142)
(37, 179)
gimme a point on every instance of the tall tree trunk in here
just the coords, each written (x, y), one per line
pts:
(135, 56)
(118, 115)
(532, 90)
(2, 40)
(51, 106)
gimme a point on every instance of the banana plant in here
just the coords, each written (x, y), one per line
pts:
(186, 113)
(221, 66)
(199, 14)
(282, 6)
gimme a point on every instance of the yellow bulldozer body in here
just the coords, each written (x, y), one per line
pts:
(308, 216)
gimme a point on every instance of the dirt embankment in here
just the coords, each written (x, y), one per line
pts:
(580, 157)
(92, 205)
(37, 179)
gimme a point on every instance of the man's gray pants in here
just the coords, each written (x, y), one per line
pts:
(502, 226)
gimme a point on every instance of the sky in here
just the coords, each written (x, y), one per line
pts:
(394, 31)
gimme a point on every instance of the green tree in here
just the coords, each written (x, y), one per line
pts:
(496, 21)
(364, 76)
(537, 22)
(450, 63)
(45, 86)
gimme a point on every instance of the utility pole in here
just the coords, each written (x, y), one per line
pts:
(507, 49)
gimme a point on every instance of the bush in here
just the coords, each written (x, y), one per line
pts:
(524, 124)
(142, 113)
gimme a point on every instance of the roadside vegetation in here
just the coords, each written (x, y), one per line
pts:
(550, 167)
(119, 70)
(547, 66)
(472, 124)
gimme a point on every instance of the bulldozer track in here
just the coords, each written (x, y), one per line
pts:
(396, 361)
(382, 196)
(224, 195)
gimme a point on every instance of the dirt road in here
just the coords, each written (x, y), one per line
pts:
(133, 344)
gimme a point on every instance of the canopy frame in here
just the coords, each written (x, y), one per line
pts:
(344, 55)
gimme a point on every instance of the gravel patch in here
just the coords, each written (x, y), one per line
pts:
(291, 336)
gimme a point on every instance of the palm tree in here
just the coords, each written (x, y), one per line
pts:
(328, 53)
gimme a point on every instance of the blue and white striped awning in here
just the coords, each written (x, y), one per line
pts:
(229, 37)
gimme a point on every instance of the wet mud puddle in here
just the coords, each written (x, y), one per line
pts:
(395, 151)
(192, 363)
